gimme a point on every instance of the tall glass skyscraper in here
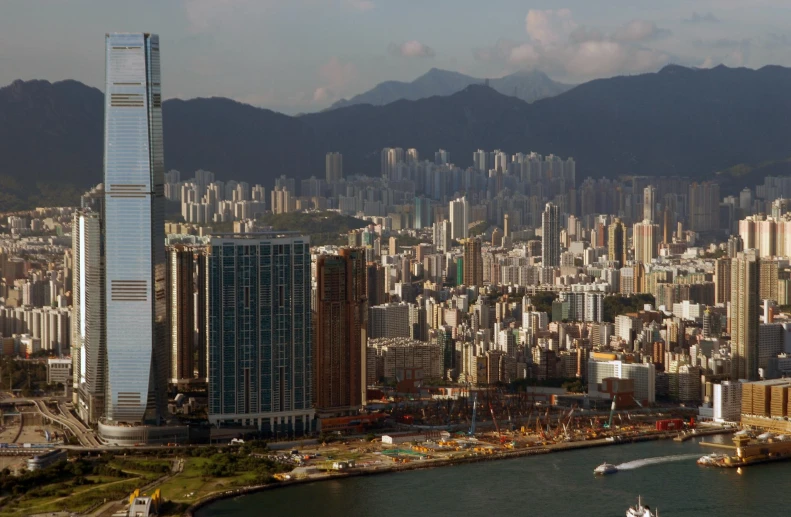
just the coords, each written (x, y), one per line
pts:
(134, 231)
(259, 332)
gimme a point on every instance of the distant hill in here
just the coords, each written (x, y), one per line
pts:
(677, 121)
(528, 86)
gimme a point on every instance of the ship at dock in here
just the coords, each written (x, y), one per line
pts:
(747, 451)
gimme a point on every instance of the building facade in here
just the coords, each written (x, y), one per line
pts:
(259, 333)
(341, 329)
(136, 316)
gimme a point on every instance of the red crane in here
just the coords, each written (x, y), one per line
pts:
(496, 426)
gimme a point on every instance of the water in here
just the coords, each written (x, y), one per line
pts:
(558, 484)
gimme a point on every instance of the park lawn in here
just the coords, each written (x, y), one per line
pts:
(191, 481)
(78, 499)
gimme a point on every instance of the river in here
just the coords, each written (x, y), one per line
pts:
(559, 484)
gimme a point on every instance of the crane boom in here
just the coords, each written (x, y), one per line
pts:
(494, 419)
(612, 411)
(474, 409)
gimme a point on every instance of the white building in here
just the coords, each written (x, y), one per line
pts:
(727, 401)
(643, 375)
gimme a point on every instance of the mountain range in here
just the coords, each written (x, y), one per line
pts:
(528, 85)
(678, 121)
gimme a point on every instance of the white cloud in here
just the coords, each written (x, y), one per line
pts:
(561, 47)
(549, 27)
(336, 77)
(411, 48)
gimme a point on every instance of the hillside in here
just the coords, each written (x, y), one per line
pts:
(528, 86)
(677, 121)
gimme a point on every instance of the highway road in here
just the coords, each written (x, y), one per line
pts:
(85, 436)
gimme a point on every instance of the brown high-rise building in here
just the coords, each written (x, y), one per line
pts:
(473, 263)
(722, 281)
(340, 328)
(186, 285)
(745, 290)
(377, 294)
(617, 242)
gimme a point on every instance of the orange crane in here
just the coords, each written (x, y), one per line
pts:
(496, 426)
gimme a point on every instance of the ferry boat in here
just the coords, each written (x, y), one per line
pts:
(604, 469)
(640, 510)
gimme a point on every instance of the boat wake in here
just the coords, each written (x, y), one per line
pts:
(646, 462)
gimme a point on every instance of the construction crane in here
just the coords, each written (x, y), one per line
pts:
(496, 426)
(612, 412)
(474, 409)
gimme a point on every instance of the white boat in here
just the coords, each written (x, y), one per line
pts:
(640, 510)
(605, 468)
(712, 459)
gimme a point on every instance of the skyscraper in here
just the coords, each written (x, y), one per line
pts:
(186, 265)
(473, 263)
(89, 352)
(649, 203)
(704, 207)
(646, 241)
(259, 332)
(136, 313)
(744, 315)
(460, 218)
(333, 167)
(617, 242)
(340, 332)
(550, 236)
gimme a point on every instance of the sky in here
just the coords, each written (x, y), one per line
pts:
(302, 55)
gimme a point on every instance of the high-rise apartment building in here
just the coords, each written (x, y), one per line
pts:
(744, 315)
(722, 280)
(616, 242)
(704, 207)
(649, 203)
(460, 218)
(646, 241)
(550, 236)
(259, 332)
(89, 350)
(340, 333)
(333, 167)
(135, 291)
(187, 332)
(473, 263)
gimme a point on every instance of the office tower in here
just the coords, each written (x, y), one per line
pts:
(137, 353)
(649, 203)
(704, 207)
(333, 167)
(186, 276)
(646, 241)
(617, 242)
(722, 281)
(460, 218)
(89, 351)
(340, 331)
(550, 236)
(473, 263)
(744, 315)
(259, 332)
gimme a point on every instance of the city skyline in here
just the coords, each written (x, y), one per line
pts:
(208, 42)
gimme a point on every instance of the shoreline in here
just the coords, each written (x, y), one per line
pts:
(429, 464)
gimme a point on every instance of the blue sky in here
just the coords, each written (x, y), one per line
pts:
(302, 55)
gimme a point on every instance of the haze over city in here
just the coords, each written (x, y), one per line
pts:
(303, 55)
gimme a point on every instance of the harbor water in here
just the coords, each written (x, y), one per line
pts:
(663, 472)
